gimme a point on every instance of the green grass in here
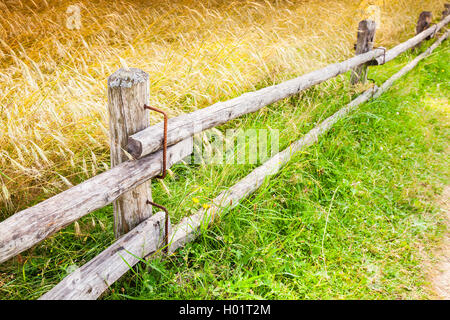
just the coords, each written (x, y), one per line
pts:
(348, 218)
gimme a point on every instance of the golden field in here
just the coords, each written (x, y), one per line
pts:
(54, 123)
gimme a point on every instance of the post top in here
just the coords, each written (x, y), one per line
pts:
(368, 23)
(125, 78)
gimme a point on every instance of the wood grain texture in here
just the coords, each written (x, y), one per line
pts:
(186, 125)
(364, 43)
(92, 279)
(30, 226)
(404, 46)
(128, 92)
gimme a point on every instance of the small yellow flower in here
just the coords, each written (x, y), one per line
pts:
(195, 200)
(206, 206)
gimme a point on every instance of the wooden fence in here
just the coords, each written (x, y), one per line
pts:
(136, 157)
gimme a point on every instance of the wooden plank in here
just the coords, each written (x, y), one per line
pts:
(190, 227)
(186, 125)
(128, 93)
(364, 43)
(404, 46)
(92, 279)
(30, 226)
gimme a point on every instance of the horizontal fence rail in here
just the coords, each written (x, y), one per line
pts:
(388, 83)
(150, 140)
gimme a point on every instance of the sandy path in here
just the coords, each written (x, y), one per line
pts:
(440, 277)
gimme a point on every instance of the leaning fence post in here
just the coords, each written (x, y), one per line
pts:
(364, 43)
(128, 92)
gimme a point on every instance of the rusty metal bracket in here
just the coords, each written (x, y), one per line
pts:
(162, 176)
(166, 224)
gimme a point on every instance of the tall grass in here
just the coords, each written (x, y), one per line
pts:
(52, 80)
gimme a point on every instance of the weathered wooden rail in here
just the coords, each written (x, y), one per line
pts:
(139, 233)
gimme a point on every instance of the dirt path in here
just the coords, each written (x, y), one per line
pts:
(440, 275)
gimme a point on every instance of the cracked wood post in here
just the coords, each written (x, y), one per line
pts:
(364, 43)
(128, 92)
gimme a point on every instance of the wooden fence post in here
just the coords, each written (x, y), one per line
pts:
(446, 11)
(423, 23)
(128, 92)
(364, 43)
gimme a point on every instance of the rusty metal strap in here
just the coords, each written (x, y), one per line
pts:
(162, 176)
